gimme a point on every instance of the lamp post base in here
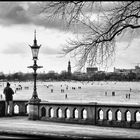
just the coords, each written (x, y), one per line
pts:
(34, 108)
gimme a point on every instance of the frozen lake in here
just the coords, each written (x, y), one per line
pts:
(87, 91)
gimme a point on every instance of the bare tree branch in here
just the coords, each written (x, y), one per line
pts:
(97, 42)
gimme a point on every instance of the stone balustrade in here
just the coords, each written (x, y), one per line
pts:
(101, 114)
(21, 107)
(67, 112)
(116, 115)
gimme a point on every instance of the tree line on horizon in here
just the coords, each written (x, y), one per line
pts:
(64, 76)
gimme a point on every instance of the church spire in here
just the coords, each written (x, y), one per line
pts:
(69, 68)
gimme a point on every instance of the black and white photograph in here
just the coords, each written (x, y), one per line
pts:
(70, 69)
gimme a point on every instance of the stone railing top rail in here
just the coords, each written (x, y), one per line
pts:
(84, 103)
(90, 103)
(16, 100)
(20, 100)
(66, 103)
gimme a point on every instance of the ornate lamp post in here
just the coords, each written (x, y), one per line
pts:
(35, 51)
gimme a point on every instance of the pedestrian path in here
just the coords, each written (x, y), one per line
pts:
(24, 126)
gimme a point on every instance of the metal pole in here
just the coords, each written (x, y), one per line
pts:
(34, 95)
(35, 75)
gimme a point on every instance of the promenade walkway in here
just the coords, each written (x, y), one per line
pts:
(21, 126)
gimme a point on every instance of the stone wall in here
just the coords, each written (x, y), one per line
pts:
(116, 115)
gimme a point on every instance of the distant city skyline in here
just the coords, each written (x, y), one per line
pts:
(17, 25)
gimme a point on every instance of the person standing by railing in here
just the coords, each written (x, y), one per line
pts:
(8, 92)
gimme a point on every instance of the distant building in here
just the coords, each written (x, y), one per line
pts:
(91, 70)
(77, 73)
(137, 69)
(69, 68)
(127, 71)
(80, 75)
(51, 71)
(123, 71)
(1, 73)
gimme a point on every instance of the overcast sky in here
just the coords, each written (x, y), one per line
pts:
(18, 20)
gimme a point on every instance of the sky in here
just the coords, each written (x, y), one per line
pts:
(19, 20)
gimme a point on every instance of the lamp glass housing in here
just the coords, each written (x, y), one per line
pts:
(35, 50)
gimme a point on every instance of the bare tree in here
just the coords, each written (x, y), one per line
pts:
(97, 42)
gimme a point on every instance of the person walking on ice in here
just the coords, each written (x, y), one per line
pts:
(66, 96)
(8, 92)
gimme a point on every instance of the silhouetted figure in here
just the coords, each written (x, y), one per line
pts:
(62, 90)
(113, 93)
(65, 96)
(73, 88)
(129, 95)
(105, 93)
(1, 96)
(8, 92)
(51, 90)
(26, 87)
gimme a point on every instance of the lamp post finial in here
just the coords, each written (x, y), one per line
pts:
(35, 41)
(35, 34)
